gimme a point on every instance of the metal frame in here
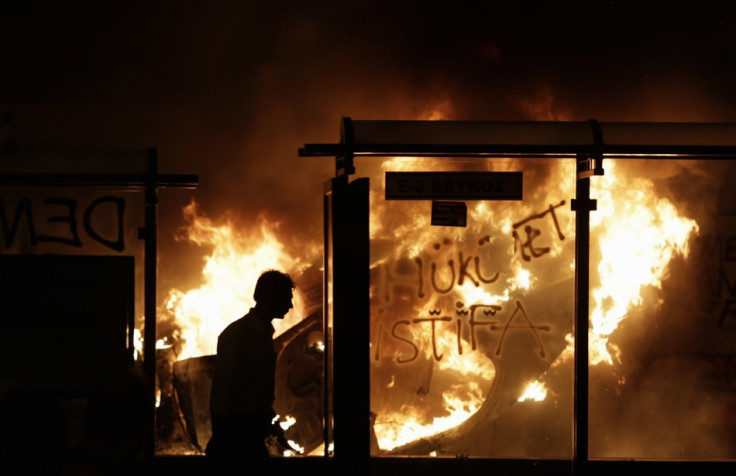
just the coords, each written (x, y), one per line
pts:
(583, 141)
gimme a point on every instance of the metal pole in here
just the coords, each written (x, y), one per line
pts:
(327, 319)
(351, 326)
(582, 205)
(149, 293)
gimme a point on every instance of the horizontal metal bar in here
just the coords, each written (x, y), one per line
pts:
(540, 151)
(137, 181)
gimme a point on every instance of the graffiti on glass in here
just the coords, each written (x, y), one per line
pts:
(57, 220)
(426, 278)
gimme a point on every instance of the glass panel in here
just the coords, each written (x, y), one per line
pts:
(663, 337)
(471, 326)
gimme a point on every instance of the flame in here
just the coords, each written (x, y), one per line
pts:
(137, 344)
(230, 272)
(645, 232)
(459, 401)
(535, 390)
(396, 429)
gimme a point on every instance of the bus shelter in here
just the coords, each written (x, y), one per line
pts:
(533, 294)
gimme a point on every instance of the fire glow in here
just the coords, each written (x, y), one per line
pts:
(229, 274)
(651, 233)
(635, 251)
(535, 391)
(449, 379)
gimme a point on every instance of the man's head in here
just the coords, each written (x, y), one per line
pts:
(273, 294)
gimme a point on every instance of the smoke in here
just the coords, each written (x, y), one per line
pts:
(230, 93)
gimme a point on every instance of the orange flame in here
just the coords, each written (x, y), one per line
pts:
(645, 232)
(638, 234)
(229, 274)
(535, 390)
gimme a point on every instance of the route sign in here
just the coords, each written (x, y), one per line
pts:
(454, 186)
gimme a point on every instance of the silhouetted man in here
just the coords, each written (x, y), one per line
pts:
(241, 401)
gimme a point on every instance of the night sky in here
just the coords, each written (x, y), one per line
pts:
(231, 90)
